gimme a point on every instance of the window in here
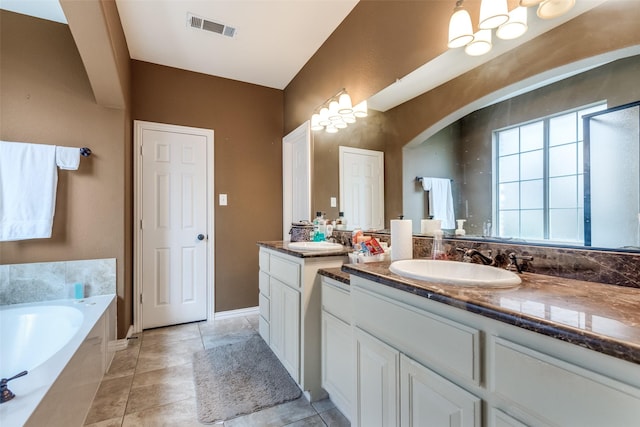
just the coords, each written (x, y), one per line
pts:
(539, 178)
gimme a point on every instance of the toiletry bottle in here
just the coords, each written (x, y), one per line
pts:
(341, 222)
(319, 236)
(437, 252)
(486, 229)
(460, 230)
(316, 224)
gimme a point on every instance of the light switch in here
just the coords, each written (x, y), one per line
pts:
(222, 199)
(334, 202)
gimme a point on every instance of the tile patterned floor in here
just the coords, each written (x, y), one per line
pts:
(151, 382)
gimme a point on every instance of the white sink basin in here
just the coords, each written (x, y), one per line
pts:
(315, 246)
(455, 273)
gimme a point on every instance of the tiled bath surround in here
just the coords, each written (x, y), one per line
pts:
(22, 283)
(610, 267)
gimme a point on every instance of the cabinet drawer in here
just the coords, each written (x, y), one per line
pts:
(434, 341)
(557, 392)
(263, 260)
(264, 306)
(336, 301)
(263, 283)
(286, 271)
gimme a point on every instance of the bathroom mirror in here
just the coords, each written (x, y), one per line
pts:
(439, 121)
(521, 165)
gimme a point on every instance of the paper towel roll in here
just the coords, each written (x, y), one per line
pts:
(428, 226)
(401, 239)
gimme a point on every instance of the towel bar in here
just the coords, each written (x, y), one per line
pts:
(85, 152)
(419, 179)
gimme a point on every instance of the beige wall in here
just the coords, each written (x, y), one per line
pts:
(47, 99)
(247, 122)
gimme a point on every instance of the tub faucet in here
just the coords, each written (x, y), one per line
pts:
(470, 253)
(6, 394)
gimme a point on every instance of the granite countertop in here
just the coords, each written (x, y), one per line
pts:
(283, 246)
(600, 317)
(335, 274)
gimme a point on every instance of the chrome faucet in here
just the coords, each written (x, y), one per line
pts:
(513, 261)
(468, 255)
(6, 394)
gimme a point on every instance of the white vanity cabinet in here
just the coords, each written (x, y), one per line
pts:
(290, 306)
(425, 363)
(394, 389)
(337, 344)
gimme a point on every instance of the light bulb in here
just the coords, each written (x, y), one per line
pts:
(550, 9)
(315, 122)
(333, 111)
(360, 110)
(324, 117)
(493, 13)
(480, 45)
(515, 26)
(460, 28)
(331, 129)
(344, 104)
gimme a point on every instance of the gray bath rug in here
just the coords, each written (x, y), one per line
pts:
(238, 379)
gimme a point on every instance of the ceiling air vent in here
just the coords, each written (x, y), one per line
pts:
(199, 23)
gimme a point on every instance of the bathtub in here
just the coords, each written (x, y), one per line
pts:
(64, 346)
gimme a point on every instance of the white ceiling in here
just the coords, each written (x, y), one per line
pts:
(273, 40)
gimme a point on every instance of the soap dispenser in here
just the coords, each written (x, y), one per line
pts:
(437, 251)
(341, 222)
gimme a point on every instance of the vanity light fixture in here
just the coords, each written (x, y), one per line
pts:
(337, 113)
(495, 14)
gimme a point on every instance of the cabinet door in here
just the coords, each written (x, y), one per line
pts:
(291, 356)
(377, 382)
(427, 399)
(497, 418)
(276, 320)
(285, 326)
(337, 362)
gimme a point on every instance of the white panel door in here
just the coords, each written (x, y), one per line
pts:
(337, 361)
(377, 382)
(296, 177)
(285, 326)
(362, 188)
(174, 227)
(427, 399)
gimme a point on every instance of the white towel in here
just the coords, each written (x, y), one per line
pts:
(68, 158)
(440, 200)
(28, 180)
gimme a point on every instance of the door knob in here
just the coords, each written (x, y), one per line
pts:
(200, 236)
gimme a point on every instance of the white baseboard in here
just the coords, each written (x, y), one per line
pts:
(236, 313)
(123, 343)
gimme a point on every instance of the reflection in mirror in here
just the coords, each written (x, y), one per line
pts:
(612, 194)
(518, 164)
